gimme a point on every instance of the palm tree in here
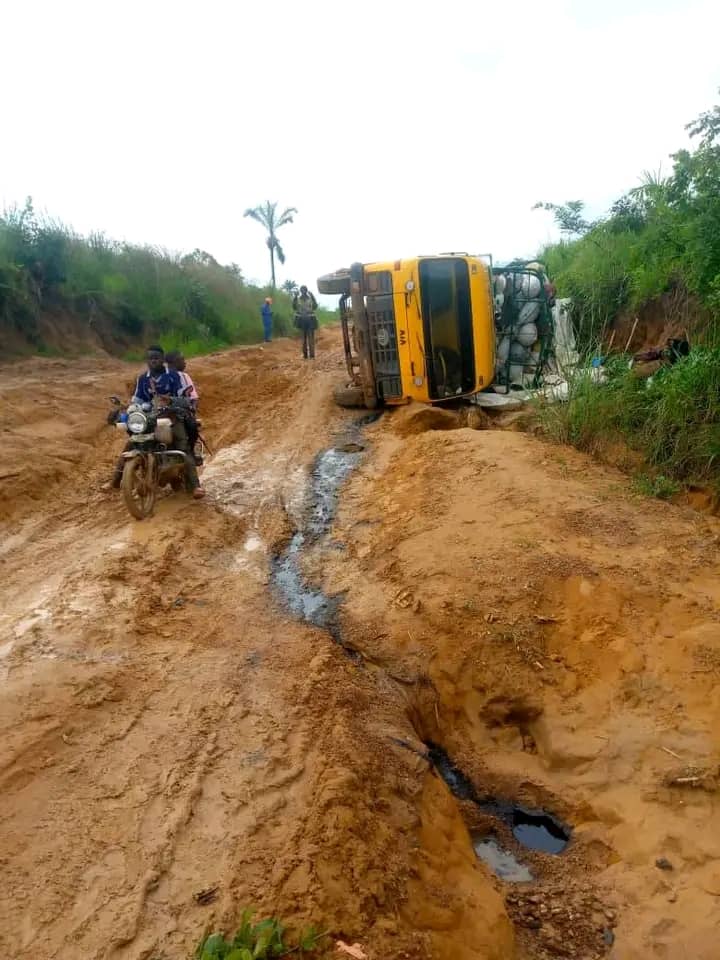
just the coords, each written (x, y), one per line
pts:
(266, 215)
(290, 287)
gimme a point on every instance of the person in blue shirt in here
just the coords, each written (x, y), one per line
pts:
(266, 311)
(158, 381)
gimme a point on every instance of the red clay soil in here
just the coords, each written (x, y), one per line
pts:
(170, 728)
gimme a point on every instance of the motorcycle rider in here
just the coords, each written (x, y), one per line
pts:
(157, 379)
(305, 305)
(164, 384)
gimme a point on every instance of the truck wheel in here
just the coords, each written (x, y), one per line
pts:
(349, 396)
(337, 283)
(370, 399)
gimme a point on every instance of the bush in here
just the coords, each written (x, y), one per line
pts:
(671, 419)
(661, 235)
(659, 486)
(191, 302)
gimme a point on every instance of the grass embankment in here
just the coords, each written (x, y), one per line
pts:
(120, 295)
(672, 421)
(661, 240)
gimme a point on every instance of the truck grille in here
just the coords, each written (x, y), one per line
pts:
(383, 336)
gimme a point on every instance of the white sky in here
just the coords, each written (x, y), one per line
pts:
(394, 127)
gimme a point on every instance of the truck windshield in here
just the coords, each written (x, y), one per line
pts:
(447, 326)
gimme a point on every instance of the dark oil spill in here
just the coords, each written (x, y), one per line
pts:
(538, 830)
(534, 829)
(330, 470)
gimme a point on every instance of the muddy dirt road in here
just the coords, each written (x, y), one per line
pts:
(266, 694)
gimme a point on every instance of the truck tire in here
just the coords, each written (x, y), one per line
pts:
(349, 396)
(337, 283)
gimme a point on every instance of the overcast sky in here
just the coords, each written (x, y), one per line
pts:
(395, 127)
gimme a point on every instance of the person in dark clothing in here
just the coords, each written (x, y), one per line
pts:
(266, 311)
(158, 382)
(305, 305)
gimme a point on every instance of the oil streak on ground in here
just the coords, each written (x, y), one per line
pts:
(330, 470)
(535, 829)
(170, 725)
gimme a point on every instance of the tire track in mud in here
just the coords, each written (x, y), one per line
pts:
(161, 854)
(121, 721)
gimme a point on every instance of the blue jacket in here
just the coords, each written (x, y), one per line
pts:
(165, 384)
(266, 311)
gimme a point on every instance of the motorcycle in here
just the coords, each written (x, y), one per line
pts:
(150, 460)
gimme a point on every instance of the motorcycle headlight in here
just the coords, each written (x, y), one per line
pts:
(136, 422)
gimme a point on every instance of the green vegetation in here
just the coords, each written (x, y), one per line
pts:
(258, 941)
(672, 420)
(661, 238)
(266, 215)
(664, 235)
(130, 294)
(658, 486)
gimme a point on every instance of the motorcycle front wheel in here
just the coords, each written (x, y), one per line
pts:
(139, 486)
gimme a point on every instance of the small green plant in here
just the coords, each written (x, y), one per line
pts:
(661, 487)
(257, 941)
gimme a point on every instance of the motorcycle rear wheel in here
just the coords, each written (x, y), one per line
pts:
(139, 487)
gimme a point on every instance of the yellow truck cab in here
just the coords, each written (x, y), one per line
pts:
(419, 329)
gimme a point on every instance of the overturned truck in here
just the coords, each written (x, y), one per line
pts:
(440, 328)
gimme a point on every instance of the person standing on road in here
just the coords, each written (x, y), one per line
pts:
(266, 311)
(305, 305)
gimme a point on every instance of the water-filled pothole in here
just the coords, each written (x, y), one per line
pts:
(534, 829)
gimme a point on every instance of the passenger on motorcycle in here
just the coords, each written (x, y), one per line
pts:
(174, 360)
(163, 386)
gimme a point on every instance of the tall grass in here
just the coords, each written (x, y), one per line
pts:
(671, 420)
(662, 238)
(133, 292)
